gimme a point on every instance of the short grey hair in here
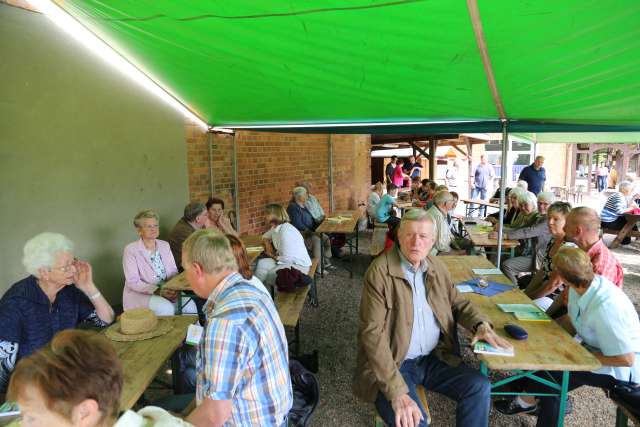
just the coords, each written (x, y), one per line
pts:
(530, 199)
(41, 251)
(211, 250)
(419, 215)
(626, 186)
(523, 184)
(442, 196)
(546, 196)
(145, 214)
(517, 192)
(193, 210)
(299, 191)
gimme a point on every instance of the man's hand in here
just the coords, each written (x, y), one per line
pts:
(169, 294)
(486, 333)
(407, 411)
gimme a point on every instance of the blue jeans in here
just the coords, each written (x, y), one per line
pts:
(475, 210)
(466, 386)
(602, 183)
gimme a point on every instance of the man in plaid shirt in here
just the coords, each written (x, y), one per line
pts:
(242, 364)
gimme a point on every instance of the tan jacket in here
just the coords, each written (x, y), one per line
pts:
(386, 320)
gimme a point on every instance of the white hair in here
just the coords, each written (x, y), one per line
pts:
(523, 184)
(530, 199)
(41, 251)
(517, 192)
(546, 196)
(299, 191)
(626, 186)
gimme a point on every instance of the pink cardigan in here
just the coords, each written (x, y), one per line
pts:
(139, 276)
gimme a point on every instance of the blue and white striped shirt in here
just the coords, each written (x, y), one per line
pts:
(243, 356)
(614, 207)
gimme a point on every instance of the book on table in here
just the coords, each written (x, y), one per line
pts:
(483, 347)
(525, 312)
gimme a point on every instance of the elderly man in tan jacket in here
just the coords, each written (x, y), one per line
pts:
(408, 333)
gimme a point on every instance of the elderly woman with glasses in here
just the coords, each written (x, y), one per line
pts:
(604, 318)
(534, 238)
(147, 264)
(58, 294)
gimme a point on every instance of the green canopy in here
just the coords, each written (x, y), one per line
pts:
(568, 65)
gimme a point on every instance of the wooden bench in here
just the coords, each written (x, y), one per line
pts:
(290, 304)
(422, 395)
(624, 414)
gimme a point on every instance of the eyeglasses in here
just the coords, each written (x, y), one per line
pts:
(66, 268)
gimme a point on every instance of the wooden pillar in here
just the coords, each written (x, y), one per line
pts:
(573, 154)
(589, 172)
(433, 144)
(469, 164)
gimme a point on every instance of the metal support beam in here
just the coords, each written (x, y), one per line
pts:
(330, 142)
(469, 165)
(210, 150)
(236, 196)
(433, 144)
(503, 185)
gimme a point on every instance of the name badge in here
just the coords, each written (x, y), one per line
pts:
(194, 334)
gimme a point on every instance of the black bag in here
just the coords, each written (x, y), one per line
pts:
(288, 279)
(183, 365)
(306, 394)
(628, 393)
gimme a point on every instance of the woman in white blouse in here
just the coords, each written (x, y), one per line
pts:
(606, 323)
(284, 246)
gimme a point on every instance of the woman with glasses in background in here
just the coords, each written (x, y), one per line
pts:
(58, 294)
(148, 263)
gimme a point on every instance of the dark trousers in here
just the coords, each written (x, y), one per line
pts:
(392, 221)
(466, 386)
(549, 406)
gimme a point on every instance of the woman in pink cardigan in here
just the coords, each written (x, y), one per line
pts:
(147, 264)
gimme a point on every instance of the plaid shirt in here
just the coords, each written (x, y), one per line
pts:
(605, 264)
(243, 356)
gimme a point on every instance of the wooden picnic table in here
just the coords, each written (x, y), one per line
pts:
(548, 348)
(478, 205)
(481, 238)
(627, 230)
(179, 281)
(141, 360)
(348, 227)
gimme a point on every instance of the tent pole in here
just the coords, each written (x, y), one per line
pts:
(209, 143)
(433, 145)
(236, 196)
(503, 182)
(331, 207)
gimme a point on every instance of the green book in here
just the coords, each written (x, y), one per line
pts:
(522, 308)
(532, 316)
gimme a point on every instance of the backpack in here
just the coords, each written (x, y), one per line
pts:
(306, 394)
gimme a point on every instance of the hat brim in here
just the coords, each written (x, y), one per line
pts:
(163, 326)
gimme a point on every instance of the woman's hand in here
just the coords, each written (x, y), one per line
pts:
(83, 277)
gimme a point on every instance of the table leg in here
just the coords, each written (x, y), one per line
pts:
(621, 418)
(483, 369)
(321, 256)
(357, 240)
(179, 310)
(622, 234)
(563, 397)
(351, 258)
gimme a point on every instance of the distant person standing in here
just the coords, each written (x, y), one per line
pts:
(534, 175)
(603, 174)
(388, 172)
(413, 167)
(398, 174)
(451, 175)
(483, 176)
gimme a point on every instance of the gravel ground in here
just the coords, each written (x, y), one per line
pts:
(331, 328)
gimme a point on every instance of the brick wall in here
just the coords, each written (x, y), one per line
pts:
(269, 164)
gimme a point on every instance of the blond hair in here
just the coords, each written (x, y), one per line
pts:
(277, 212)
(574, 265)
(211, 250)
(145, 214)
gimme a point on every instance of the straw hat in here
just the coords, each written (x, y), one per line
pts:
(138, 324)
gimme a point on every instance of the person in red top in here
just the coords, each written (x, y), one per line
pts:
(582, 227)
